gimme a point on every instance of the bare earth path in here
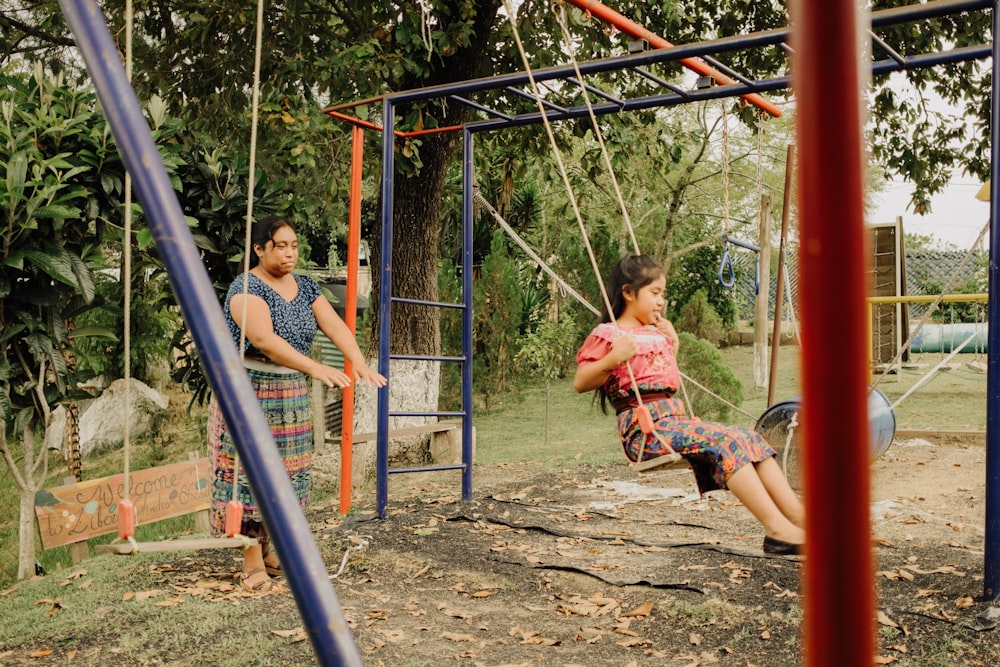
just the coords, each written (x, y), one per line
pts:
(582, 566)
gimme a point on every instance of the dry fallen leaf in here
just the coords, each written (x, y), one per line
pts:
(146, 595)
(694, 638)
(884, 619)
(964, 602)
(295, 634)
(645, 609)
(885, 659)
(40, 653)
(455, 637)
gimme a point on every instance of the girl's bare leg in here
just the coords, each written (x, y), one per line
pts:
(747, 486)
(774, 480)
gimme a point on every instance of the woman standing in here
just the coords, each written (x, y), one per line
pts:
(276, 313)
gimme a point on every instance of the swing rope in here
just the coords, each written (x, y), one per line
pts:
(234, 508)
(726, 261)
(560, 12)
(583, 301)
(126, 508)
(645, 419)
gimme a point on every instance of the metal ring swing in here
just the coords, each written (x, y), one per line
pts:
(726, 263)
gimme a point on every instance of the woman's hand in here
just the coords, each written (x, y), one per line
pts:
(330, 376)
(372, 378)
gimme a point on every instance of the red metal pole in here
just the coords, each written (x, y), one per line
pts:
(351, 316)
(839, 583)
(633, 29)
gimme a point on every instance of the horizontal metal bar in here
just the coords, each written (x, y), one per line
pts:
(422, 302)
(425, 357)
(660, 81)
(961, 54)
(776, 36)
(481, 107)
(930, 298)
(400, 471)
(596, 91)
(726, 69)
(426, 414)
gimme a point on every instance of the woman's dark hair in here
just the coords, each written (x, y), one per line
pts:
(631, 271)
(263, 231)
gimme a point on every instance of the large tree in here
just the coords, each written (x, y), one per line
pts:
(198, 55)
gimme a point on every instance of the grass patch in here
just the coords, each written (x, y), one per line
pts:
(515, 430)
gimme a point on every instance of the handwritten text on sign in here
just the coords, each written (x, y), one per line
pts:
(77, 512)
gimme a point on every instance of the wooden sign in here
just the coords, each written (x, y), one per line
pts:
(77, 512)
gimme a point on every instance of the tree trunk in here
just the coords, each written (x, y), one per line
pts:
(26, 534)
(418, 202)
(761, 362)
(26, 523)
(416, 226)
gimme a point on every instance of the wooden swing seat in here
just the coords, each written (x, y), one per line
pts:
(672, 461)
(193, 544)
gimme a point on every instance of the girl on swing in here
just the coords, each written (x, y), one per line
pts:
(722, 457)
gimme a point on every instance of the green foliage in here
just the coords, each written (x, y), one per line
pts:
(698, 271)
(153, 320)
(699, 319)
(497, 322)
(548, 351)
(55, 153)
(701, 360)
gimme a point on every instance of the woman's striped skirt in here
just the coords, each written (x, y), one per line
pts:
(285, 400)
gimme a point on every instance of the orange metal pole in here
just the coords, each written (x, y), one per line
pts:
(633, 29)
(839, 580)
(357, 122)
(351, 317)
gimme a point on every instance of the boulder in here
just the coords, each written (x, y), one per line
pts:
(102, 423)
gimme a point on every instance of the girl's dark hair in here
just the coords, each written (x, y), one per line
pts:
(634, 272)
(263, 231)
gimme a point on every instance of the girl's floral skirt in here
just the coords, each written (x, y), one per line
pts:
(715, 451)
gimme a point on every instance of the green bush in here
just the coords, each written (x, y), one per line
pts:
(699, 318)
(701, 361)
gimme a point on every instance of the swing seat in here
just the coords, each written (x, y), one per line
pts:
(125, 548)
(672, 461)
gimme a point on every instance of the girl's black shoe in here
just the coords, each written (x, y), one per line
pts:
(777, 547)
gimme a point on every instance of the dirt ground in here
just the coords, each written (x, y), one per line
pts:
(607, 567)
(601, 566)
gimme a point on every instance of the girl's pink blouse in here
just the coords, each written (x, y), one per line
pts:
(654, 364)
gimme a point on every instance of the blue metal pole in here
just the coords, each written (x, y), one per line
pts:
(307, 574)
(384, 309)
(468, 185)
(991, 558)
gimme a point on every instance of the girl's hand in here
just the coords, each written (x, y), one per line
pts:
(666, 327)
(623, 348)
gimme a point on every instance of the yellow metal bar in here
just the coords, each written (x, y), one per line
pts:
(947, 298)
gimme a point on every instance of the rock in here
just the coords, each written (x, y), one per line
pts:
(103, 423)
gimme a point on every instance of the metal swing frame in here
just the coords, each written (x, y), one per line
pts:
(829, 24)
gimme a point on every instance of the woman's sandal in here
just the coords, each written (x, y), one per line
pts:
(273, 570)
(262, 585)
